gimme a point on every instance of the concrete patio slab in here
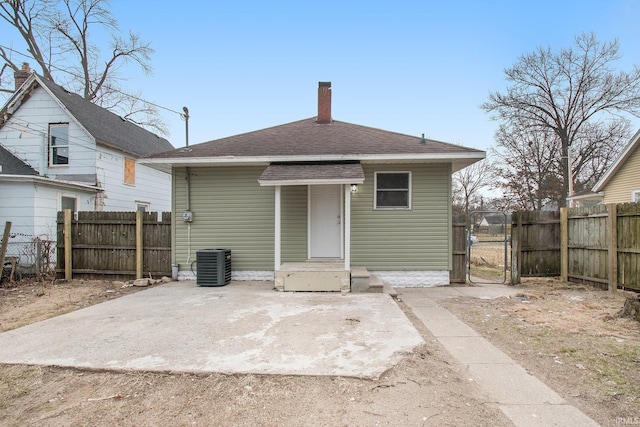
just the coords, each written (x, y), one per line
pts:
(244, 327)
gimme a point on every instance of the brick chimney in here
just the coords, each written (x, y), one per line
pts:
(22, 75)
(324, 102)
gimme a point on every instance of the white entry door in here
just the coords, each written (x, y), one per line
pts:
(325, 221)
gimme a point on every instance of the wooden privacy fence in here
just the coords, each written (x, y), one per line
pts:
(535, 244)
(599, 245)
(458, 273)
(117, 245)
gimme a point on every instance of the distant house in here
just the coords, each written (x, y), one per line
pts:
(621, 182)
(59, 151)
(585, 198)
(309, 202)
(495, 224)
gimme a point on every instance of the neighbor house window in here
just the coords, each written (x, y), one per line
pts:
(129, 171)
(635, 196)
(142, 206)
(393, 190)
(58, 144)
(68, 203)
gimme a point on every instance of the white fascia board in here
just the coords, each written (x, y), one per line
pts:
(267, 183)
(240, 160)
(48, 182)
(635, 141)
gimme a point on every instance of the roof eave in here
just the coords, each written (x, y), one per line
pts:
(464, 158)
(49, 182)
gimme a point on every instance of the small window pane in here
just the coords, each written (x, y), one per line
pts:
(60, 156)
(393, 199)
(393, 181)
(68, 203)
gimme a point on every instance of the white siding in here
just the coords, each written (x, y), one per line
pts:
(26, 136)
(151, 186)
(26, 133)
(32, 208)
(17, 207)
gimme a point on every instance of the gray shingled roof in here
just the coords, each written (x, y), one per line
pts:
(106, 127)
(350, 172)
(11, 165)
(308, 138)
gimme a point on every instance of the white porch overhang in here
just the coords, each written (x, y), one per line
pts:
(287, 174)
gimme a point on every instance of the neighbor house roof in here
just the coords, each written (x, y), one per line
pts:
(106, 127)
(307, 140)
(633, 145)
(11, 165)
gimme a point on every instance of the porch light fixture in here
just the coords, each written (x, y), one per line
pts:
(354, 188)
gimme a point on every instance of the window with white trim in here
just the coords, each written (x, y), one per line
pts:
(143, 206)
(635, 196)
(67, 202)
(393, 190)
(58, 144)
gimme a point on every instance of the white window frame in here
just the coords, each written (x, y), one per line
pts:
(68, 196)
(408, 190)
(50, 147)
(635, 196)
(145, 205)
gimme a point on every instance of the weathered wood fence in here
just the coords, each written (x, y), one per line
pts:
(458, 273)
(114, 245)
(535, 244)
(599, 245)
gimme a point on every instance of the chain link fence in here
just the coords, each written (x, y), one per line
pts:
(28, 257)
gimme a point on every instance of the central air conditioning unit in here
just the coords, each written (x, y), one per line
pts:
(213, 267)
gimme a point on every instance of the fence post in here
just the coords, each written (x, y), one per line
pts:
(516, 252)
(612, 226)
(5, 242)
(564, 245)
(68, 264)
(139, 243)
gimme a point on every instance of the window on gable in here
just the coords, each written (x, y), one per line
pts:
(58, 144)
(129, 171)
(393, 190)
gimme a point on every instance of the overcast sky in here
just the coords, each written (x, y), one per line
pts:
(406, 66)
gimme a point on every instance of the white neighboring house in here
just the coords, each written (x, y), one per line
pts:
(60, 151)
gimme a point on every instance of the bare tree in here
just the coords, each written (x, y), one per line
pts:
(467, 186)
(574, 93)
(527, 168)
(57, 34)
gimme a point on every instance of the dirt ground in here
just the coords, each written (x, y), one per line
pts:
(572, 338)
(568, 336)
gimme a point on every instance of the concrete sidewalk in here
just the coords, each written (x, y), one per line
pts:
(524, 399)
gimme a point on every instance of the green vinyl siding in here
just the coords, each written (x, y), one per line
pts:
(294, 223)
(414, 239)
(230, 210)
